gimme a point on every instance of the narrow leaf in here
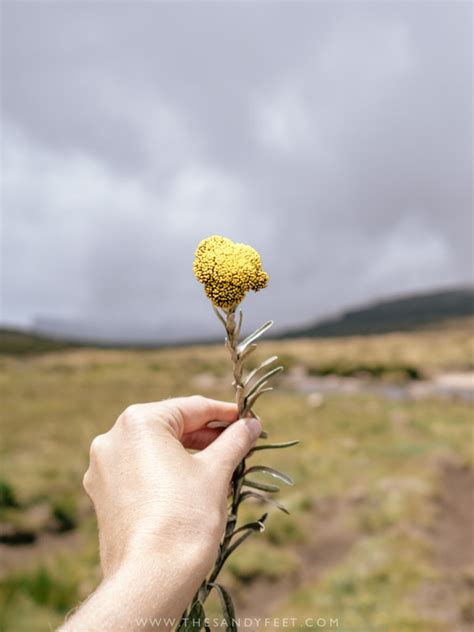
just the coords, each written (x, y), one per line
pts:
(258, 525)
(264, 379)
(239, 326)
(266, 499)
(264, 487)
(248, 529)
(274, 446)
(195, 614)
(261, 366)
(251, 400)
(256, 334)
(247, 352)
(269, 470)
(260, 383)
(219, 315)
(231, 520)
(227, 607)
(237, 543)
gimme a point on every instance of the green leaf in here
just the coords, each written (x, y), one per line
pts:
(227, 607)
(261, 366)
(259, 525)
(256, 334)
(274, 446)
(219, 315)
(196, 614)
(264, 487)
(263, 380)
(253, 398)
(265, 499)
(231, 520)
(269, 470)
(237, 543)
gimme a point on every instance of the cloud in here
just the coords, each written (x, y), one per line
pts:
(106, 242)
(407, 253)
(282, 122)
(334, 138)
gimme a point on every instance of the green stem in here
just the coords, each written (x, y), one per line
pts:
(232, 343)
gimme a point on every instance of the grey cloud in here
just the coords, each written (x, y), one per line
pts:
(335, 137)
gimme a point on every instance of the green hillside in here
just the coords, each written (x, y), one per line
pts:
(396, 314)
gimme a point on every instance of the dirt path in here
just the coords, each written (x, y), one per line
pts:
(449, 598)
(331, 541)
(445, 385)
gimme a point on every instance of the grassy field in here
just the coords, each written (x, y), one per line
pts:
(379, 535)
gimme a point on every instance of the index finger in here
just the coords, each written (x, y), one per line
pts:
(194, 412)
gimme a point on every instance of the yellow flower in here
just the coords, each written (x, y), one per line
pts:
(228, 270)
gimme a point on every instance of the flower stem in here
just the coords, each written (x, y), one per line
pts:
(232, 342)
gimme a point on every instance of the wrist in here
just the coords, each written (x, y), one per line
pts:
(145, 592)
(178, 546)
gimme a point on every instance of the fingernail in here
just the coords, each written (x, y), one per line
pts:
(254, 427)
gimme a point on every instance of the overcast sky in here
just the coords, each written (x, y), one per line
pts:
(334, 137)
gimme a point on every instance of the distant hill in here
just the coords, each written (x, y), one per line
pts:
(17, 342)
(395, 314)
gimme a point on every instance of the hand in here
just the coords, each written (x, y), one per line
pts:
(161, 510)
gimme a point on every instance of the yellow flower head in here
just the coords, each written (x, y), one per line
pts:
(228, 270)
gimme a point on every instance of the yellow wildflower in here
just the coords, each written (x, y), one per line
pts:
(228, 270)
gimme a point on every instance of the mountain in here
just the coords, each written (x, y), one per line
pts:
(393, 314)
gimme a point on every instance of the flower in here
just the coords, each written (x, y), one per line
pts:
(228, 270)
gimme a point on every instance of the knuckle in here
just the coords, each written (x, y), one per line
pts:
(97, 447)
(199, 401)
(130, 415)
(173, 415)
(87, 482)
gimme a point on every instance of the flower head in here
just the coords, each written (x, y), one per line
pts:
(228, 270)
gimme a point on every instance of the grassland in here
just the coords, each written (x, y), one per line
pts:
(378, 529)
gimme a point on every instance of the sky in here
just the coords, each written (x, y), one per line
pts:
(334, 137)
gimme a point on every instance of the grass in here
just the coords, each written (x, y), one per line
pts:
(367, 469)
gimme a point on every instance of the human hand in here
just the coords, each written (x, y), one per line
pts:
(161, 510)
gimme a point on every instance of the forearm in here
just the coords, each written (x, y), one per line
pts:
(161, 510)
(145, 594)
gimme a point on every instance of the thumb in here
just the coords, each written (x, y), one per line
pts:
(232, 445)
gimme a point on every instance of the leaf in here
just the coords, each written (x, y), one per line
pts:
(256, 334)
(237, 543)
(260, 384)
(266, 499)
(231, 520)
(239, 326)
(256, 526)
(247, 352)
(269, 470)
(264, 487)
(248, 529)
(251, 400)
(261, 366)
(195, 614)
(274, 446)
(219, 316)
(227, 607)
(264, 379)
